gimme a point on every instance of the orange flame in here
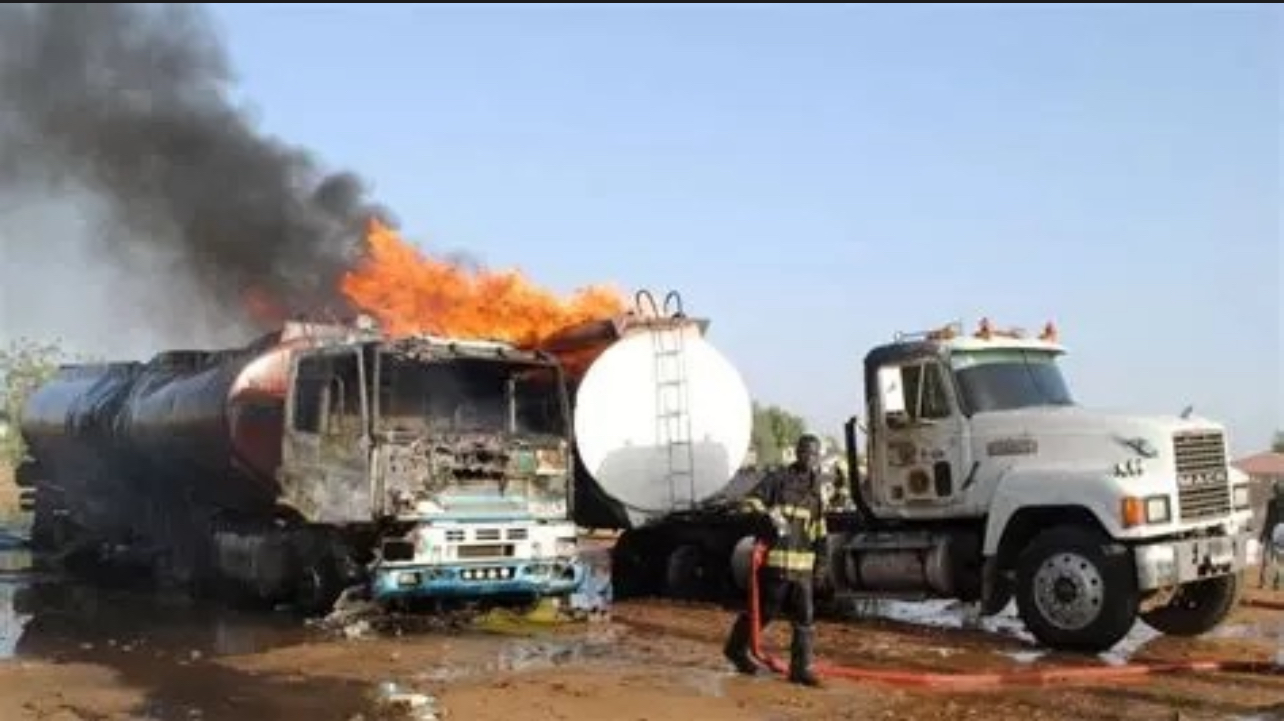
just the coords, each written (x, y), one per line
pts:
(409, 293)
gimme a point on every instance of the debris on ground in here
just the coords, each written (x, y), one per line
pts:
(394, 703)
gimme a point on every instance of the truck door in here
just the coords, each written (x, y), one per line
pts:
(923, 459)
(325, 469)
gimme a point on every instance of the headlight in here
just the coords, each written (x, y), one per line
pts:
(1239, 497)
(1136, 511)
(1158, 509)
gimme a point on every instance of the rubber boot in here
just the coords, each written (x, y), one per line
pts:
(800, 655)
(737, 647)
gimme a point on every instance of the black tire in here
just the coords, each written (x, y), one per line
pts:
(634, 572)
(1075, 594)
(317, 587)
(996, 591)
(686, 576)
(1197, 608)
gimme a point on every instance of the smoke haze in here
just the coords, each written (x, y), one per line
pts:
(135, 194)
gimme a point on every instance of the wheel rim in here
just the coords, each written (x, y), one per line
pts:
(1068, 591)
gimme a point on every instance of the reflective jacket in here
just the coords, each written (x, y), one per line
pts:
(797, 495)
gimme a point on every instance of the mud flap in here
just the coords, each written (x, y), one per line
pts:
(996, 588)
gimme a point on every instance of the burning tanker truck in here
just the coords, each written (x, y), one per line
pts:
(318, 457)
(326, 456)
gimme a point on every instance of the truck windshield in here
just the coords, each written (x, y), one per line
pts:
(999, 380)
(470, 395)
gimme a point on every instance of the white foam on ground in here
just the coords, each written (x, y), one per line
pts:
(944, 613)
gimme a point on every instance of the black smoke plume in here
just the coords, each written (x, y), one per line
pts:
(130, 104)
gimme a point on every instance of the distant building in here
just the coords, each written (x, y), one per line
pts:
(1267, 468)
(1265, 471)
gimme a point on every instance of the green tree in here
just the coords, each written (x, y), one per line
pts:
(24, 365)
(774, 431)
(1277, 445)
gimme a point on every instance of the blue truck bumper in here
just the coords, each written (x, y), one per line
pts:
(477, 580)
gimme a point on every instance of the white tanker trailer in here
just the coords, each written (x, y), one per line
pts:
(662, 420)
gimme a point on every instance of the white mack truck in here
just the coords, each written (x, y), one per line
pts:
(988, 483)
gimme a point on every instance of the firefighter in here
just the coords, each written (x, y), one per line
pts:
(792, 499)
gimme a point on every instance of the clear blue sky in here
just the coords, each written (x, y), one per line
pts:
(814, 178)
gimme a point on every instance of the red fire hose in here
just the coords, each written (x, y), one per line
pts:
(984, 681)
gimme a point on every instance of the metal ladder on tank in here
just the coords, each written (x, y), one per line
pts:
(672, 403)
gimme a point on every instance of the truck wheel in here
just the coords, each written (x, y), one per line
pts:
(633, 572)
(1196, 608)
(317, 587)
(685, 576)
(1072, 593)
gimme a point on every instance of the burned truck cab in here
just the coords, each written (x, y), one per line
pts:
(456, 452)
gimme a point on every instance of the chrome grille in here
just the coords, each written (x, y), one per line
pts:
(1203, 488)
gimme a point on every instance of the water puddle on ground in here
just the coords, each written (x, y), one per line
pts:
(164, 646)
(15, 563)
(522, 655)
(50, 618)
(158, 646)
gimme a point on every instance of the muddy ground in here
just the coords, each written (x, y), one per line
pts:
(73, 653)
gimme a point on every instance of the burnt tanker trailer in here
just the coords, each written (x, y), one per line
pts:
(138, 464)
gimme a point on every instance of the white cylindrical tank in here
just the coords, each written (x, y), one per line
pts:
(662, 420)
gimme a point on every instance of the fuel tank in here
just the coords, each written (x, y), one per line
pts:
(662, 419)
(203, 427)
